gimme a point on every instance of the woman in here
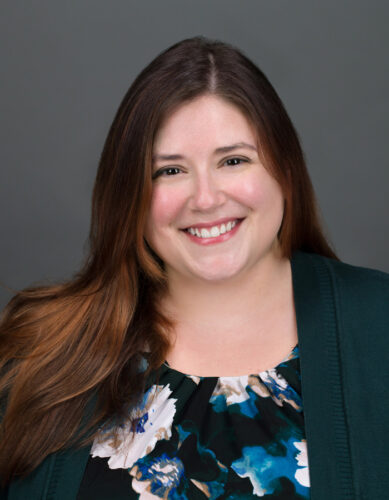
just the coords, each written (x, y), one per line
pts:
(169, 366)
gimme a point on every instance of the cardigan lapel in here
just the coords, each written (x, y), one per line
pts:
(321, 379)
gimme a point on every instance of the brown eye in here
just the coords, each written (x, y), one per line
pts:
(235, 160)
(166, 171)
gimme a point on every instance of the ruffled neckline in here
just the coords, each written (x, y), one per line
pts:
(166, 368)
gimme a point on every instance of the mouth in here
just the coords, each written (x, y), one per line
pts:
(214, 233)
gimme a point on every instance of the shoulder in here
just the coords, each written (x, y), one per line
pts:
(361, 294)
(351, 304)
(354, 280)
(358, 295)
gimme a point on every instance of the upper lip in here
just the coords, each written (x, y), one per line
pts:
(214, 223)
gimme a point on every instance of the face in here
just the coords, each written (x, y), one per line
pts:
(215, 210)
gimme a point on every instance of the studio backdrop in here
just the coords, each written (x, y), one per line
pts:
(66, 65)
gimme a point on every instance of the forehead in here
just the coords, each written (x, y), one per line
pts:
(205, 122)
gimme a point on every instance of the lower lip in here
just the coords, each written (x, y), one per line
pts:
(217, 239)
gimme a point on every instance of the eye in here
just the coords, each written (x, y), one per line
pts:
(235, 160)
(166, 171)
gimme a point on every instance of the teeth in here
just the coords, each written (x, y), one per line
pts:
(214, 231)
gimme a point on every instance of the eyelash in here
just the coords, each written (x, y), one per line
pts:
(164, 169)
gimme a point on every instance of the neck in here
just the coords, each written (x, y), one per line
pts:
(254, 298)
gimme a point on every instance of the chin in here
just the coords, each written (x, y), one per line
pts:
(214, 274)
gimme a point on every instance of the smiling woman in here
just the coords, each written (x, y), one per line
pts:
(207, 196)
(212, 345)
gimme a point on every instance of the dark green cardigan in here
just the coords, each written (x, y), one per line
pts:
(343, 334)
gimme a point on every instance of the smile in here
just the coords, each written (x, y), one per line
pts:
(213, 231)
(214, 234)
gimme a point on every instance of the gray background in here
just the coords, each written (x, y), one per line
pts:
(66, 66)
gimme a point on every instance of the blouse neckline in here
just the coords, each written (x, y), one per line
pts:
(292, 355)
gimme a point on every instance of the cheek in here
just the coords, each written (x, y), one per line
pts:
(166, 205)
(259, 192)
(249, 191)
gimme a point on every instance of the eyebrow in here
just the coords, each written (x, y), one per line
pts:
(223, 149)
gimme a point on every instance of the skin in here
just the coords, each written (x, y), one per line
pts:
(241, 285)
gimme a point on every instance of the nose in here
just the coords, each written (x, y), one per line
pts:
(206, 192)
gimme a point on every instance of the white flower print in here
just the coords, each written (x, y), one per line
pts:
(154, 422)
(266, 384)
(302, 475)
(232, 388)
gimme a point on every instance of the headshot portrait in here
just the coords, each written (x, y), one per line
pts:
(194, 283)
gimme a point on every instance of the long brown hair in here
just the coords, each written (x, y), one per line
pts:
(62, 344)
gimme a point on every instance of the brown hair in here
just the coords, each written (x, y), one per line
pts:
(62, 344)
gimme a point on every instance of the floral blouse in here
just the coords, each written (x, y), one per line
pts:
(239, 437)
